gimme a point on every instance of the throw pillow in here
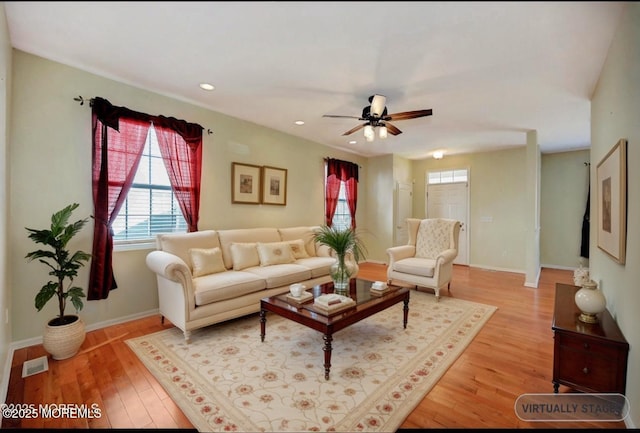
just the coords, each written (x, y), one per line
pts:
(274, 253)
(206, 261)
(244, 255)
(298, 249)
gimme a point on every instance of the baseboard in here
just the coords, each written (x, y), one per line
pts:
(104, 324)
(562, 268)
(375, 262)
(493, 268)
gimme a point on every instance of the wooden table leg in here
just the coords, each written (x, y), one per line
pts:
(327, 354)
(406, 311)
(263, 322)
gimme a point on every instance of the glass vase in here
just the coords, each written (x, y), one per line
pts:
(341, 273)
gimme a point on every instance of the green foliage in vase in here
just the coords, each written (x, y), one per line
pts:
(64, 264)
(341, 241)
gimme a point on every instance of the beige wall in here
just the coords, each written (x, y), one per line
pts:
(497, 186)
(50, 158)
(615, 111)
(5, 292)
(564, 189)
(379, 234)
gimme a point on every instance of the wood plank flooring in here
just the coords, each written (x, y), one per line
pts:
(512, 355)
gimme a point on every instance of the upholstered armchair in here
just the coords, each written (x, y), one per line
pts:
(427, 259)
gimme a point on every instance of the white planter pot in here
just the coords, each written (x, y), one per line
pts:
(64, 341)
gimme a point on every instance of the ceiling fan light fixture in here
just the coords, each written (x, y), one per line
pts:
(369, 133)
(382, 132)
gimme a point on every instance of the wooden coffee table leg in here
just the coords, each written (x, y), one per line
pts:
(327, 354)
(406, 310)
(263, 322)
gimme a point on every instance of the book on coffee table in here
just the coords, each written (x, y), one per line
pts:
(331, 303)
(380, 292)
(304, 297)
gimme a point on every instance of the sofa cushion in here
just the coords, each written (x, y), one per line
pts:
(228, 237)
(281, 275)
(298, 249)
(225, 285)
(206, 261)
(180, 243)
(319, 266)
(304, 233)
(244, 255)
(274, 253)
(416, 266)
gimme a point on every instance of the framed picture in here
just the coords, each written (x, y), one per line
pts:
(612, 202)
(274, 185)
(245, 183)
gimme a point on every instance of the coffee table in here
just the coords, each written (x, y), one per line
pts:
(306, 314)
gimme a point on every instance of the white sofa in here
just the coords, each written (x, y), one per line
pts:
(210, 276)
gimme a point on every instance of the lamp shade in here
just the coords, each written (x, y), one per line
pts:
(382, 133)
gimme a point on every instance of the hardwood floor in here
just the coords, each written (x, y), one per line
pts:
(512, 355)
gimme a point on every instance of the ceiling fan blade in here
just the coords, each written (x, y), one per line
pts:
(409, 115)
(392, 129)
(377, 105)
(343, 117)
(357, 128)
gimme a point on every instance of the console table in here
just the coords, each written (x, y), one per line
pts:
(586, 357)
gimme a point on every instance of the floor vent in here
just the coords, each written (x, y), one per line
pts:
(35, 366)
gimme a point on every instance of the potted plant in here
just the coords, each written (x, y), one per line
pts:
(348, 248)
(64, 334)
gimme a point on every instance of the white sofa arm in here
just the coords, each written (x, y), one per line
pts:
(400, 252)
(169, 266)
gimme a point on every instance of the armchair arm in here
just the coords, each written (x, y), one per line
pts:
(169, 266)
(447, 255)
(400, 252)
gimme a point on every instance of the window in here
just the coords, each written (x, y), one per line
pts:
(447, 176)
(150, 207)
(342, 217)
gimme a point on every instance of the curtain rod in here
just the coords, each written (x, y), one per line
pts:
(326, 158)
(90, 101)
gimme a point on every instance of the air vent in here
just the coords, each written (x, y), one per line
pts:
(35, 366)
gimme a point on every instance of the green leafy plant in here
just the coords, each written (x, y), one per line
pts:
(345, 244)
(64, 265)
(341, 241)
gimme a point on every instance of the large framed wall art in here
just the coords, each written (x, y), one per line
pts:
(274, 185)
(245, 183)
(611, 175)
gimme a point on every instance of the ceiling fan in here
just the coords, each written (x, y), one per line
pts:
(375, 116)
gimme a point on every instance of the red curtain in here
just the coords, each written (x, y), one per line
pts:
(119, 136)
(181, 148)
(341, 171)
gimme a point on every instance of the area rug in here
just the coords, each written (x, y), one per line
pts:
(225, 379)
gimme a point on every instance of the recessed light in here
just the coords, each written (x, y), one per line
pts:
(352, 142)
(299, 122)
(207, 86)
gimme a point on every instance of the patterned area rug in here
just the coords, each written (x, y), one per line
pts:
(227, 380)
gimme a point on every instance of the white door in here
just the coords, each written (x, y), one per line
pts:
(404, 207)
(450, 200)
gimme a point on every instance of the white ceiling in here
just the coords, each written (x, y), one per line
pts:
(489, 70)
